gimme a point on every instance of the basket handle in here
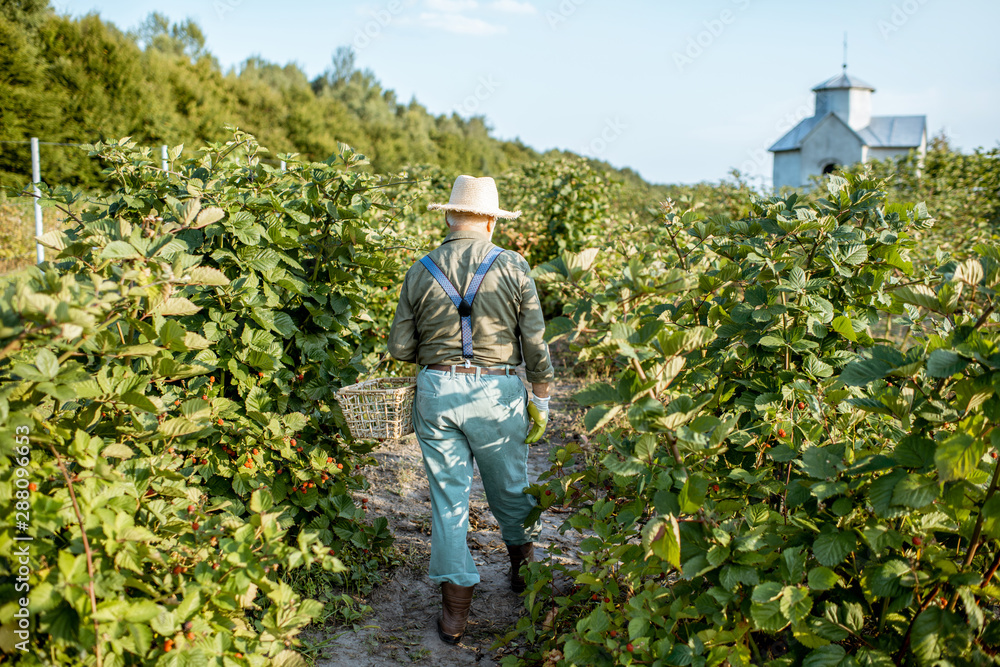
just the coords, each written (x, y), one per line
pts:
(381, 361)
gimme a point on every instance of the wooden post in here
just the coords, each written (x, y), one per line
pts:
(36, 178)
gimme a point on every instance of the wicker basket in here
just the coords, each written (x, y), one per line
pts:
(381, 408)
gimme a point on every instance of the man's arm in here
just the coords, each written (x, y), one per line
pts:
(402, 343)
(538, 365)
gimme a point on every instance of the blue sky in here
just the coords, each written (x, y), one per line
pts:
(681, 91)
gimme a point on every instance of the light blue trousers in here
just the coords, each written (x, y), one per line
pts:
(459, 417)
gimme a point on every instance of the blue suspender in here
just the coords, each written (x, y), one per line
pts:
(464, 305)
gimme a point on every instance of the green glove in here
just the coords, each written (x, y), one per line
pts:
(539, 420)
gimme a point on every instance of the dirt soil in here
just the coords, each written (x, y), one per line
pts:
(401, 628)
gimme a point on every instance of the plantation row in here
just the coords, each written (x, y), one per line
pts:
(770, 480)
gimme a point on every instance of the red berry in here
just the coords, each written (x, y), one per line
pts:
(32, 486)
(340, 466)
(300, 377)
(332, 552)
(211, 378)
(204, 397)
(613, 633)
(629, 647)
(329, 459)
(781, 433)
(364, 501)
(190, 509)
(280, 470)
(220, 422)
(594, 597)
(802, 406)
(293, 442)
(607, 600)
(248, 464)
(168, 645)
(993, 454)
(190, 636)
(917, 541)
(715, 488)
(239, 656)
(548, 492)
(256, 451)
(194, 526)
(177, 569)
(177, 402)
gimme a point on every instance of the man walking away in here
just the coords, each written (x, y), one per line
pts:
(468, 315)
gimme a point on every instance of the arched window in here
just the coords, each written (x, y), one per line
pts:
(830, 168)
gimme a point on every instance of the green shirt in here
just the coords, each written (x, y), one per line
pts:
(507, 323)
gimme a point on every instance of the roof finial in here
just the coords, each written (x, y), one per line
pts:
(845, 51)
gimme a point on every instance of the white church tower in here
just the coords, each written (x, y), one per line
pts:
(843, 131)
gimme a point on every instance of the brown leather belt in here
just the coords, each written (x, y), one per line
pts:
(473, 369)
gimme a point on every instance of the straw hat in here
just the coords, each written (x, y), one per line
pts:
(475, 195)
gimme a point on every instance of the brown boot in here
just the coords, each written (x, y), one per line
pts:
(519, 555)
(455, 603)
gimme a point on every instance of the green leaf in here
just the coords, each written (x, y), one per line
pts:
(831, 655)
(140, 401)
(843, 326)
(177, 306)
(119, 250)
(795, 604)
(919, 295)
(558, 327)
(945, 363)
(833, 548)
(628, 467)
(599, 416)
(958, 456)
(204, 275)
(822, 579)
(772, 341)
(915, 491)
(768, 616)
(597, 394)
(661, 537)
(47, 363)
(886, 580)
(692, 495)
(991, 517)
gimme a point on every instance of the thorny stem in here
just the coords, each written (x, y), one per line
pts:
(87, 550)
(992, 570)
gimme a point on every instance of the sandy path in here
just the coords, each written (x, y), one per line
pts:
(401, 629)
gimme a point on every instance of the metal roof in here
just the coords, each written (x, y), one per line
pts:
(843, 80)
(895, 131)
(793, 139)
(882, 132)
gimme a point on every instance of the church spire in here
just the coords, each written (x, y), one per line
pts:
(845, 51)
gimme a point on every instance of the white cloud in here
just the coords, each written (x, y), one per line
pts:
(460, 25)
(451, 6)
(513, 7)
